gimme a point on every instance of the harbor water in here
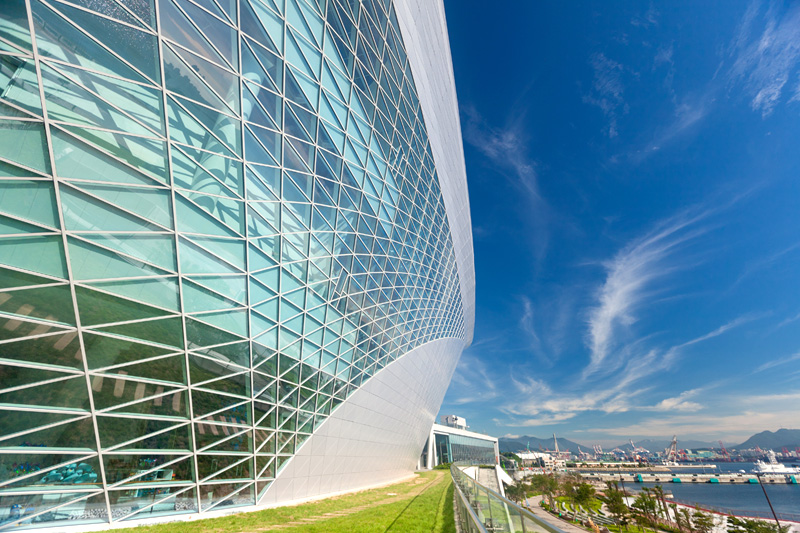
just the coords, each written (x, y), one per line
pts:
(726, 498)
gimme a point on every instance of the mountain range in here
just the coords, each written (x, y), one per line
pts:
(783, 438)
(789, 438)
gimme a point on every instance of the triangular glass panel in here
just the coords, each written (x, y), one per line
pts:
(101, 308)
(176, 26)
(271, 24)
(10, 226)
(24, 143)
(192, 218)
(227, 494)
(233, 287)
(161, 292)
(167, 331)
(62, 349)
(148, 155)
(51, 304)
(75, 159)
(114, 35)
(67, 393)
(208, 403)
(222, 438)
(200, 335)
(159, 435)
(171, 370)
(231, 321)
(71, 432)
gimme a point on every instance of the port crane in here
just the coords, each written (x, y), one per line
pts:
(671, 452)
(599, 449)
(725, 454)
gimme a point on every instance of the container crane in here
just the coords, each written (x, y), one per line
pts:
(725, 454)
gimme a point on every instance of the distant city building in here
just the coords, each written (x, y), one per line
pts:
(235, 253)
(541, 459)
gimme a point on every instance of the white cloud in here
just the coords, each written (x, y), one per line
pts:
(766, 61)
(778, 362)
(650, 18)
(679, 403)
(506, 147)
(630, 277)
(528, 324)
(607, 90)
(472, 382)
(749, 415)
(545, 420)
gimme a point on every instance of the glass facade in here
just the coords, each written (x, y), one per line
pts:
(452, 448)
(218, 218)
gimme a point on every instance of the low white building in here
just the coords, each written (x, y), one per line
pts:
(447, 444)
(546, 460)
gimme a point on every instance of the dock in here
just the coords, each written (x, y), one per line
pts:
(666, 477)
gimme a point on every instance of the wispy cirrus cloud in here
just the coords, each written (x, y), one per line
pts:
(766, 54)
(533, 402)
(508, 150)
(647, 19)
(474, 380)
(630, 278)
(778, 362)
(506, 147)
(607, 91)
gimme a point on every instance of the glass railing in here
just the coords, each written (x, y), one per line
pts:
(483, 510)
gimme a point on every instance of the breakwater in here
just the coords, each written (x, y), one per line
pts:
(667, 477)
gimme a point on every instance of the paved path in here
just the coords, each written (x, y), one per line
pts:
(554, 521)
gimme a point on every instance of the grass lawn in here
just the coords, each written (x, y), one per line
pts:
(424, 503)
(595, 504)
(633, 528)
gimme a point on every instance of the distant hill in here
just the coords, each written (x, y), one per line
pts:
(519, 444)
(659, 445)
(769, 440)
(790, 438)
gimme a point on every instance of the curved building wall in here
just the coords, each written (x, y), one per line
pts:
(234, 236)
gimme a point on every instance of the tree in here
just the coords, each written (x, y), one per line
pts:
(674, 507)
(547, 485)
(615, 503)
(703, 522)
(517, 492)
(684, 519)
(583, 495)
(746, 525)
(645, 504)
(658, 490)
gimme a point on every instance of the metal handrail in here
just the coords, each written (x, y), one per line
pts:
(513, 518)
(467, 508)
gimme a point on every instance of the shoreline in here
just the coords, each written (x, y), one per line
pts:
(720, 518)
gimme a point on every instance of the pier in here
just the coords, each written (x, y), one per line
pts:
(666, 477)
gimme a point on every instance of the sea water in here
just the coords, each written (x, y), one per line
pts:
(725, 497)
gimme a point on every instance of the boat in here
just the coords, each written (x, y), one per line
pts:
(772, 466)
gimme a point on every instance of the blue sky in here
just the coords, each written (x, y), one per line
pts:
(634, 175)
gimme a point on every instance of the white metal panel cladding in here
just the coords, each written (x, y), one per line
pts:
(219, 220)
(376, 436)
(424, 29)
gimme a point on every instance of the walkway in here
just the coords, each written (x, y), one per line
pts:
(488, 478)
(532, 504)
